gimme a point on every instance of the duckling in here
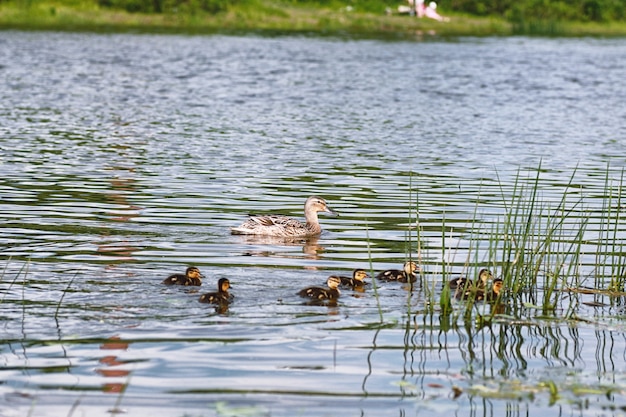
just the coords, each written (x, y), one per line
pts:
(284, 226)
(356, 280)
(318, 293)
(464, 283)
(191, 277)
(221, 296)
(407, 274)
(466, 288)
(496, 288)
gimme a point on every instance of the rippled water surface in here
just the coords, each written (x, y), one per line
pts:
(125, 158)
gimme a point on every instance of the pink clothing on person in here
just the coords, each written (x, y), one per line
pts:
(432, 13)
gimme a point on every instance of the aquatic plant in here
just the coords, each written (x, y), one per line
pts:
(23, 270)
(373, 275)
(69, 284)
(610, 247)
(538, 244)
(538, 240)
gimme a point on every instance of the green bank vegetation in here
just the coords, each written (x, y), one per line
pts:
(369, 18)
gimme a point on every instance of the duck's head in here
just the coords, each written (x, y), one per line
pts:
(223, 284)
(411, 267)
(317, 204)
(333, 282)
(193, 272)
(485, 275)
(497, 285)
(359, 275)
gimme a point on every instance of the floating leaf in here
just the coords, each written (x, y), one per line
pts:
(405, 385)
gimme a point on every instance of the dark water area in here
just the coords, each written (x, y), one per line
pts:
(125, 158)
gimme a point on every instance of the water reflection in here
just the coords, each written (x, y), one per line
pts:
(535, 356)
(221, 307)
(123, 185)
(331, 304)
(111, 366)
(310, 246)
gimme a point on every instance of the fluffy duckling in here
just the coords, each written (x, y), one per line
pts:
(356, 280)
(319, 293)
(284, 226)
(221, 296)
(461, 282)
(191, 277)
(407, 274)
(496, 289)
(466, 288)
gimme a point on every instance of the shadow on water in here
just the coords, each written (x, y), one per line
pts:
(272, 246)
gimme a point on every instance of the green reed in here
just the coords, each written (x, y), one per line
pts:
(538, 244)
(69, 284)
(609, 251)
(444, 300)
(371, 267)
(415, 245)
(23, 271)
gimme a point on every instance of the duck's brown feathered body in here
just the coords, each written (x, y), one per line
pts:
(319, 293)
(496, 288)
(285, 226)
(465, 288)
(220, 296)
(356, 280)
(192, 277)
(407, 274)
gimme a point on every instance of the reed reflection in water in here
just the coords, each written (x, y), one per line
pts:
(510, 361)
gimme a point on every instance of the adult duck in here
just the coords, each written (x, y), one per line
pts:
(406, 274)
(284, 226)
(191, 277)
(319, 293)
(221, 296)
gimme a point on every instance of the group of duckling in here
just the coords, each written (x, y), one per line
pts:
(357, 281)
(465, 289)
(287, 227)
(193, 277)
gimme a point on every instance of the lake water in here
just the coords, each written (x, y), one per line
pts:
(125, 158)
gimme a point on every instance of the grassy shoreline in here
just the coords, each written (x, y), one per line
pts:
(276, 18)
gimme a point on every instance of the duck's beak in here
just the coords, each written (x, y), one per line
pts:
(330, 211)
